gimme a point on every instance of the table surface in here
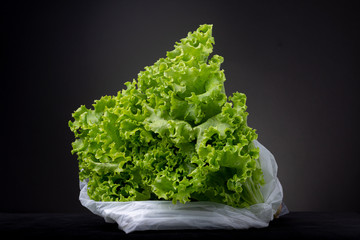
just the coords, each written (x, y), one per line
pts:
(295, 225)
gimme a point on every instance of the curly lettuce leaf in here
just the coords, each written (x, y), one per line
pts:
(172, 134)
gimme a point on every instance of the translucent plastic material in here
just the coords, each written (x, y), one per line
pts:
(164, 215)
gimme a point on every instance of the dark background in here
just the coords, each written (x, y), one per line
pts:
(297, 62)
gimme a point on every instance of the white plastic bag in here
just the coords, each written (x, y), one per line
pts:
(164, 215)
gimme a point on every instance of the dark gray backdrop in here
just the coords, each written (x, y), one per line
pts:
(297, 62)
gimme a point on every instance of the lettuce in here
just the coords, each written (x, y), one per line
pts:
(172, 134)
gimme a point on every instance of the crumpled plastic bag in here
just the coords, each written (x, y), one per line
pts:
(164, 215)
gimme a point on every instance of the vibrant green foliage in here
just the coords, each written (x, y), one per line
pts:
(171, 134)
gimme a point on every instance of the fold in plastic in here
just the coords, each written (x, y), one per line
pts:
(164, 215)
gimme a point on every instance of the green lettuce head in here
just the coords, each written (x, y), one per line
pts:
(172, 134)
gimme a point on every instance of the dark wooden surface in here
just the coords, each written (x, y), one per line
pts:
(295, 225)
